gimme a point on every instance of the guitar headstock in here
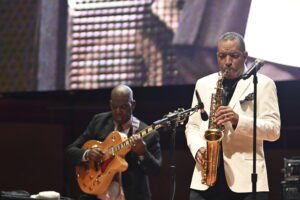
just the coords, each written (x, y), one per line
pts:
(177, 116)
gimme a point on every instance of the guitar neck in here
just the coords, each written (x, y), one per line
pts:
(130, 141)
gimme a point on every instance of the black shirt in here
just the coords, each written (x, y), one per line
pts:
(229, 86)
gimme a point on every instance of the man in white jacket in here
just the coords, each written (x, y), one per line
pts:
(236, 115)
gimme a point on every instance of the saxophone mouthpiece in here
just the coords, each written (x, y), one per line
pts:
(225, 69)
(228, 68)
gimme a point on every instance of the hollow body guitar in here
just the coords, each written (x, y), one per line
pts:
(95, 178)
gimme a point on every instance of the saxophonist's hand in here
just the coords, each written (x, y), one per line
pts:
(226, 114)
(200, 156)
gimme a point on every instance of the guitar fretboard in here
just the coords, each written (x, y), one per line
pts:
(130, 141)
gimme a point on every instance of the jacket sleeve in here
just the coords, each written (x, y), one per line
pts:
(195, 127)
(268, 116)
(74, 152)
(152, 160)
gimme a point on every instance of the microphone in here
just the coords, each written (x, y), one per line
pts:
(204, 115)
(254, 68)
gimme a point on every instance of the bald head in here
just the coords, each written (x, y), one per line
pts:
(122, 103)
(122, 90)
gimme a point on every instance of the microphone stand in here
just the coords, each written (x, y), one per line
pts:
(253, 71)
(172, 162)
(172, 120)
(254, 174)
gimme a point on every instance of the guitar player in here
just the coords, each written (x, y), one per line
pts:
(143, 159)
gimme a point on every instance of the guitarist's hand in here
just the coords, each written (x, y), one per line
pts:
(95, 154)
(139, 146)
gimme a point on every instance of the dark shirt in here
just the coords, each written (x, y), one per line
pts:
(229, 86)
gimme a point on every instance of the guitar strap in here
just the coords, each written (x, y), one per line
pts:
(135, 125)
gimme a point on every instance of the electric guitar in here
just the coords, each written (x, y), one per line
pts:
(95, 178)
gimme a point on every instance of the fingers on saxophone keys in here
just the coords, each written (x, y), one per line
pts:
(200, 156)
(221, 119)
(200, 160)
(224, 119)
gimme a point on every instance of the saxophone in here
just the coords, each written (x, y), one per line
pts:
(213, 136)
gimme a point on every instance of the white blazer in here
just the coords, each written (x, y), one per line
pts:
(237, 144)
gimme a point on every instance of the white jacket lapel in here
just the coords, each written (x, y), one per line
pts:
(239, 91)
